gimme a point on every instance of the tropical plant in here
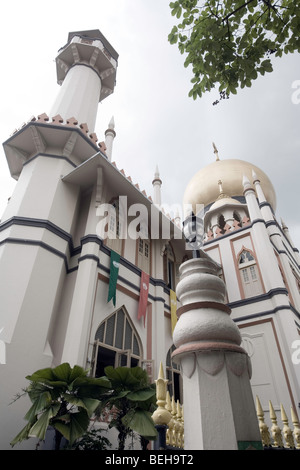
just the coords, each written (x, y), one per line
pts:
(64, 398)
(92, 440)
(231, 42)
(131, 400)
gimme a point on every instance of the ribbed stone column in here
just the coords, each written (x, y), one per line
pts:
(219, 408)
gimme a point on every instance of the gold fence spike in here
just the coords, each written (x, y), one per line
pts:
(174, 416)
(180, 427)
(275, 429)
(287, 432)
(296, 425)
(182, 437)
(161, 415)
(169, 437)
(263, 428)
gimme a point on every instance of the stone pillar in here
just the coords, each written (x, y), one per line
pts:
(219, 410)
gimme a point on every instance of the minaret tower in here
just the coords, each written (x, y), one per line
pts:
(110, 135)
(157, 188)
(86, 71)
(37, 227)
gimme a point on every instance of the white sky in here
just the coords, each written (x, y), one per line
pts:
(156, 122)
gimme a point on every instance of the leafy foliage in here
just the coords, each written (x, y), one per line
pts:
(92, 440)
(230, 42)
(132, 399)
(64, 398)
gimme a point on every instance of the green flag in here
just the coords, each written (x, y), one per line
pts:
(114, 271)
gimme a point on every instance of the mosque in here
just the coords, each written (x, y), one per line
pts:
(89, 262)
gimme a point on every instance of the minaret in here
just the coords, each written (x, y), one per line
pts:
(37, 226)
(110, 135)
(264, 205)
(157, 188)
(264, 250)
(86, 71)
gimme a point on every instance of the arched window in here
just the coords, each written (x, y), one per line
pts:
(237, 218)
(116, 343)
(174, 377)
(221, 223)
(249, 273)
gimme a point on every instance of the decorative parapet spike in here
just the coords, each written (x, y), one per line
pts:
(70, 122)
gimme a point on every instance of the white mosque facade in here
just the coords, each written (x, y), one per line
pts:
(73, 209)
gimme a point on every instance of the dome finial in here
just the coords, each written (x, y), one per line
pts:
(220, 186)
(216, 151)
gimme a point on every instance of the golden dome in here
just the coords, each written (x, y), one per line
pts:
(203, 187)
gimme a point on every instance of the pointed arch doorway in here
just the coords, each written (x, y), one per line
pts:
(116, 343)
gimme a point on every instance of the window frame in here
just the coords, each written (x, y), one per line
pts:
(134, 351)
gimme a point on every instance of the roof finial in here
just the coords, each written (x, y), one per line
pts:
(220, 186)
(216, 151)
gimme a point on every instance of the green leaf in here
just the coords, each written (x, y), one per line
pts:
(75, 427)
(42, 401)
(141, 395)
(141, 422)
(23, 435)
(121, 376)
(63, 428)
(40, 375)
(62, 372)
(40, 427)
(77, 372)
(89, 404)
(78, 425)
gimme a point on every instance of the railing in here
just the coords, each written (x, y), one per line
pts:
(168, 417)
(276, 438)
(169, 421)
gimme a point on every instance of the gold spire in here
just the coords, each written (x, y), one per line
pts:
(216, 151)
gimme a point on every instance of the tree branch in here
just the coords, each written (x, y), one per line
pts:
(236, 10)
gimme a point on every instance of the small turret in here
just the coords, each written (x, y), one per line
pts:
(157, 182)
(110, 135)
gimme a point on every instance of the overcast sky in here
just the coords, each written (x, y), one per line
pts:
(156, 122)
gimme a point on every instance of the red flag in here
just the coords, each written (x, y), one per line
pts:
(144, 289)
